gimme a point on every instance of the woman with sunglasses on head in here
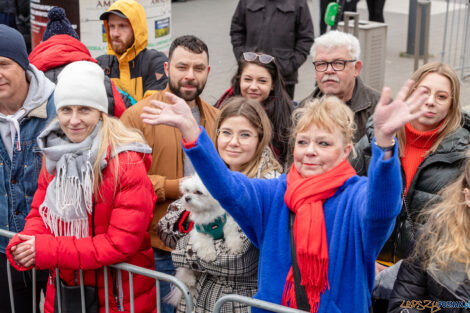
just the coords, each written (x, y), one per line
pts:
(243, 133)
(321, 224)
(438, 271)
(258, 78)
(432, 150)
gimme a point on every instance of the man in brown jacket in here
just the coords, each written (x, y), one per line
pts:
(187, 70)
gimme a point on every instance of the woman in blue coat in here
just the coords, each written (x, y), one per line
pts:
(341, 220)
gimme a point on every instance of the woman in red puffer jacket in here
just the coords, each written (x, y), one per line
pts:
(94, 201)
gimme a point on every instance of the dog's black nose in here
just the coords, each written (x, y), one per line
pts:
(187, 198)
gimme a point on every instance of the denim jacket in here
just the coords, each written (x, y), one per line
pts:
(19, 176)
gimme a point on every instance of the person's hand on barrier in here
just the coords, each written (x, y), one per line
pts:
(177, 114)
(24, 253)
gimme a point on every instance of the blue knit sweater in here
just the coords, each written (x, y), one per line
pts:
(359, 218)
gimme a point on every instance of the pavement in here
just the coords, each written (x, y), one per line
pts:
(210, 21)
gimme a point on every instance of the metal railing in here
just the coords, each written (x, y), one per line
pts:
(260, 304)
(131, 269)
(456, 41)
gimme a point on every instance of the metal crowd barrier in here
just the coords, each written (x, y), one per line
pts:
(260, 304)
(132, 269)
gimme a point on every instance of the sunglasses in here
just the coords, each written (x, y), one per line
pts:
(263, 58)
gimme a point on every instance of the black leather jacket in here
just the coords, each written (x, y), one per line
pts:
(417, 290)
(438, 170)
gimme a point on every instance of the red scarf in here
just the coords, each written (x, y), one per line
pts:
(305, 197)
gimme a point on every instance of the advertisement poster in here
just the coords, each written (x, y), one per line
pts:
(84, 17)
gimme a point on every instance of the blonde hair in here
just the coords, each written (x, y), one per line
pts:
(445, 238)
(453, 119)
(113, 135)
(328, 112)
(255, 114)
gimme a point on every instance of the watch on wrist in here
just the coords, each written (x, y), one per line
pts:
(387, 148)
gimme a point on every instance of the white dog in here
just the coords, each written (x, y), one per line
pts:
(211, 222)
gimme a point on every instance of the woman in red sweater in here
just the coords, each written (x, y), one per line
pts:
(432, 152)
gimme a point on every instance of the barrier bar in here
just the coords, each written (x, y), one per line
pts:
(261, 304)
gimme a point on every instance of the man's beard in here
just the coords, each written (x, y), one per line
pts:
(186, 96)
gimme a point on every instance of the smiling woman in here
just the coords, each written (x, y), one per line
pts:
(258, 78)
(338, 220)
(95, 176)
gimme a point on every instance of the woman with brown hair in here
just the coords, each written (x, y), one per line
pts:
(243, 133)
(258, 78)
(438, 269)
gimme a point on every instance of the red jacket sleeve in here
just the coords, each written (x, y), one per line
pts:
(129, 221)
(34, 223)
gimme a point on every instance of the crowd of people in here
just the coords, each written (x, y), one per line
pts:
(350, 200)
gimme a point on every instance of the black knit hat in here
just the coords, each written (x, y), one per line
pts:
(13, 46)
(58, 24)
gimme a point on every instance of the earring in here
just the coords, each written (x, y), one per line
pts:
(466, 192)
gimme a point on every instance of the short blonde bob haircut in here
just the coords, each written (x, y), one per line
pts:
(329, 113)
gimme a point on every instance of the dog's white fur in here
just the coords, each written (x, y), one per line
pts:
(204, 209)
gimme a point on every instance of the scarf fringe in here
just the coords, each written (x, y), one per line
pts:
(70, 196)
(59, 227)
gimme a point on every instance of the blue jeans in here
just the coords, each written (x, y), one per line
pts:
(164, 264)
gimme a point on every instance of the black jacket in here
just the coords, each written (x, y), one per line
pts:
(281, 28)
(362, 103)
(418, 290)
(438, 170)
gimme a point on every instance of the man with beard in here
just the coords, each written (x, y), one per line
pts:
(130, 65)
(187, 70)
(337, 67)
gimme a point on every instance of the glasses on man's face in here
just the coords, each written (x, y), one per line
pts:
(263, 58)
(441, 97)
(227, 135)
(336, 65)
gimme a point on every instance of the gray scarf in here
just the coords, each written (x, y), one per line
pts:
(69, 195)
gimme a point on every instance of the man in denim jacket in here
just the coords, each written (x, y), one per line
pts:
(26, 107)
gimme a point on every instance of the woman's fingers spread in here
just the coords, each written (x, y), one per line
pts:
(404, 90)
(156, 104)
(384, 96)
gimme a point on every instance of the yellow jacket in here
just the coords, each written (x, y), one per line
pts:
(138, 69)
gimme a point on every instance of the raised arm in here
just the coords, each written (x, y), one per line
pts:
(245, 199)
(383, 195)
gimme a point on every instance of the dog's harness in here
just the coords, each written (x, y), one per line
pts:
(214, 229)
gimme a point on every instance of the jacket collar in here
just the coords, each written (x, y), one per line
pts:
(40, 111)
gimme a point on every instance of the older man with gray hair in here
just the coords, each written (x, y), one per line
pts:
(337, 67)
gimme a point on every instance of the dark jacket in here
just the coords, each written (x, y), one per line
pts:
(420, 291)
(138, 69)
(281, 28)
(362, 103)
(438, 170)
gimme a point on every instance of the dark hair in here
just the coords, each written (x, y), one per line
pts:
(278, 105)
(189, 42)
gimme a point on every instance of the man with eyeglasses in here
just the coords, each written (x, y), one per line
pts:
(337, 67)
(281, 28)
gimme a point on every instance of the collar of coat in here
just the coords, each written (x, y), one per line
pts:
(215, 229)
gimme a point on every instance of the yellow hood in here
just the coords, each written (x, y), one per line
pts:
(136, 15)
